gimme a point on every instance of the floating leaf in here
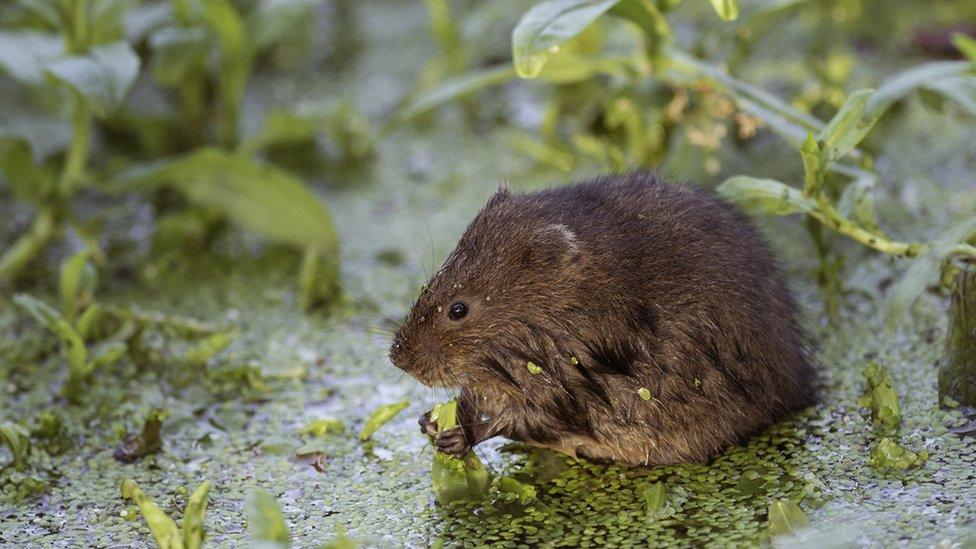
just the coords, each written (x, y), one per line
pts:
(257, 196)
(548, 25)
(765, 195)
(514, 490)
(887, 455)
(321, 427)
(881, 397)
(103, 75)
(786, 517)
(655, 497)
(265, 522)
(382, 415)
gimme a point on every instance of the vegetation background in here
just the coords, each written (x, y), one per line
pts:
(213, 212)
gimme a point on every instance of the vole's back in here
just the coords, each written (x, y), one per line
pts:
(675, 297)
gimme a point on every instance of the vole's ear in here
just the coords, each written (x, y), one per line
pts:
(557, 244)
(502, 194)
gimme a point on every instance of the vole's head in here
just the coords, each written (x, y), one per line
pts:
(511, 274)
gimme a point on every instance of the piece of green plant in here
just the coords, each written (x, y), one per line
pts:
(456, 479)
(321, 427)
(957, 368)
(147, 441)
(265, 522)
(164, 529)
(17, 439)
(881, 398)
(655, 496)
(378, 418)
(888, 455)
(786, 517)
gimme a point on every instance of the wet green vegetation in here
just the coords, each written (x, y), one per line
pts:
(162, 382)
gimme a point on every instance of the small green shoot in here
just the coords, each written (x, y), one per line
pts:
(382, 415)
(164, 530)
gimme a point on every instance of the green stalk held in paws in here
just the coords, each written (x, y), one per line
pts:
(455, 479)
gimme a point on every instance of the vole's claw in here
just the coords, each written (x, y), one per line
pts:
(452, 442)
(427, 426)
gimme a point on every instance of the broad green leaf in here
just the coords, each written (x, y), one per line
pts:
(265, 522)
(42, 312)
(728, 10)
(766, 195)
(17, 439)
(163, 529)
(966, 45)
(25, 54)
(924, 270)
(382, 415)
(46, 134)
(103, 75)
(786, 517)
(849, 126)
(545, 27)
(77, 283)
(453, 89)
(193, 533)
(257, 196)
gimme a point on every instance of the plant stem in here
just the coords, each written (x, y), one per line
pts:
(77, 156)
(42, 230)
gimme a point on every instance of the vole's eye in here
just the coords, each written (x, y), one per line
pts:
(458, 310)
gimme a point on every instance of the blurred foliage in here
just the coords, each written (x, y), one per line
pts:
(624, 89)
(73, 64)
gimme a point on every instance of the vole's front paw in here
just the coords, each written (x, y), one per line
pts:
(427, 426)
(452, 442)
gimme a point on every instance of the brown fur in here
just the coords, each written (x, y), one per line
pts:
(646, 284)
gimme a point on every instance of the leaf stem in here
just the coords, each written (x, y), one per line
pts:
(77, 156)
(42, 230)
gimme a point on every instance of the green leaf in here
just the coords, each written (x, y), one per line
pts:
(959, 89)
(786, 517)
(107, 353)
(812, 167)
(548, 25)
(728, 10)
(765, 195)
(382, 415)
(257, 196)
(207, 348)
(275, 21)
(452, 90)
(321, 427)
(923, 270)
(46, 315)
(224, 21)
(102, 76)
(25, 54)
(857, 201)
(77, 283)
(178, 53)
(887, 455)
(265, 522)
(966, 45)
(849, 126)
(163, 529)
(905, 82)
(655, 497)
(567, 68)
(283, 127)
(17, 439)
(647, 15)
(28, 181)
(193, 533)
(514, 490)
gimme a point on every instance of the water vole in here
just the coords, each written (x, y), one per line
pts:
(620, 319)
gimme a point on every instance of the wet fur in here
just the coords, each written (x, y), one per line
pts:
(647, 284)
